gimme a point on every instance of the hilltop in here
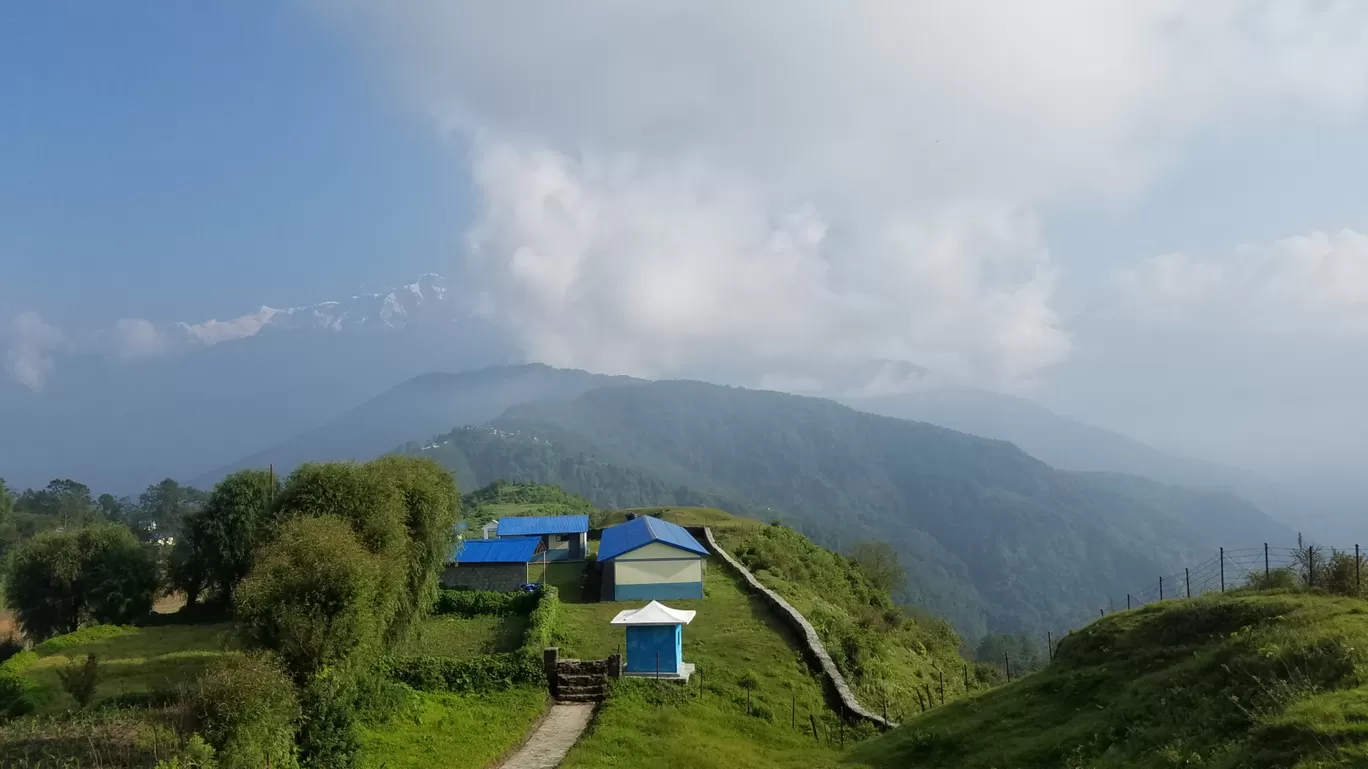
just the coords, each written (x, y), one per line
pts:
(1270, 680)
(991, 538)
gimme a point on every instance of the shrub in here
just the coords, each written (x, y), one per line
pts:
(18, 695)
(541, 624)
(1276, 579)
(79, 679)
(483, 673)
(327, 726)
(247, 709)
(312, 597)
(59, 580)
(197, 754)
(477, 603)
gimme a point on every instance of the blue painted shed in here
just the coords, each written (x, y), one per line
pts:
(650, 559)
(655, 641)
(566, 537)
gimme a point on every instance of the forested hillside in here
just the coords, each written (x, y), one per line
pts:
(991, 537)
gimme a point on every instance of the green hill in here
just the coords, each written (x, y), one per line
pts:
(502, 499)
(1256, 680)
(990, 537)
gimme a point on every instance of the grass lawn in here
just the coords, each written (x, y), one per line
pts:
(453, 731)
(131, 659)
(468, 636)
(1271, 680)
(666, 725)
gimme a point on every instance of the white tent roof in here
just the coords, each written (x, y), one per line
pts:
(654, 613)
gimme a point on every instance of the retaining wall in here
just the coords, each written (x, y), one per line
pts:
(812, 645)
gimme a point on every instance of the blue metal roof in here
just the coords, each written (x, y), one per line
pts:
(537, 525)
(626, 537)
(513, 550)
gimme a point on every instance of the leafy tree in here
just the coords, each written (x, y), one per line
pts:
(879, 562)
(59, 580)
(312, 596)
(8, 531)
(165, 505)
(114, 509)
(63, 499)
(214, 551)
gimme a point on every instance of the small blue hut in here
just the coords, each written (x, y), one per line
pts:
(655, 641)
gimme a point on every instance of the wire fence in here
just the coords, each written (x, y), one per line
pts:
(1341, 570)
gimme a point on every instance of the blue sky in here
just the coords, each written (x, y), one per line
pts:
(1133, 211)
(191, 160)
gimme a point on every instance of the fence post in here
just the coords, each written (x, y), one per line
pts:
(1267, 573)
(966, 678)
(941, 673)
(1187, 580)
(1007, 665)
(1127, 601)
(747, 700)
(815, 734)
(1310, 566)
(793, 711)
(1223, 570)
(1161, 588)
(1358, 583)
(1049, 645)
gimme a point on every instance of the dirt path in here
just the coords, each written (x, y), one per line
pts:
(553, 738)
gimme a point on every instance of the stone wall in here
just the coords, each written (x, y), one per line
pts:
(486, 576)
(812, 645)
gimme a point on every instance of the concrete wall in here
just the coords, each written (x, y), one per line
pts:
(812, 644)
(486, 576)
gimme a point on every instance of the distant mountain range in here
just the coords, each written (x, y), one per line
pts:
(990, 537)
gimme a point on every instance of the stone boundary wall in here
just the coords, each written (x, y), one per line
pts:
(812, 645)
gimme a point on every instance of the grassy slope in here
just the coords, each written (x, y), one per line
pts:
(895, 658)
(131, 659)
(667, 725)
(452, 730)
(1258, 680)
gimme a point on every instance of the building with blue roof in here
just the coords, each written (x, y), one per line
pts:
(564, 537)
(649, 559)
(490, 564)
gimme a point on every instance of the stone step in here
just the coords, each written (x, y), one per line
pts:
(579, 678)
(579, 698)
(590, 689)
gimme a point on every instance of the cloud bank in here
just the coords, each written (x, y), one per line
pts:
(675, 185)
(32, 345)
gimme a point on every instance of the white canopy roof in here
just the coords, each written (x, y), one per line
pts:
(654, 613)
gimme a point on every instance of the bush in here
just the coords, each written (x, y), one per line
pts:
(541, 624)
(247, 709)
(484, 673)
(18, 695)
(79, 679)
(1277, 579)
(59, 580)
(327, 726)
(312, 597)
(478, 603)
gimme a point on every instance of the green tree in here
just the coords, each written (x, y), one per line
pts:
(59, 580)
(115, 509)
(65, 500)
(165, 505)
(879, 562)
(8, 530)
(247, 708)
(313, 596)
(214, 551)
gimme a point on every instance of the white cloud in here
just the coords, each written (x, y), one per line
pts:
(135, 338)
(665, 185)
(1316, 283)
(31, 344)
(212, 332)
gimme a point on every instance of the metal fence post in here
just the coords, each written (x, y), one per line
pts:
(1223, 570)
(1268, 574)
(1187, 579)
(1007, 665)
(966, 678)
(1128, 602)
(941, 673)
(1049, 645)
(1161, 588)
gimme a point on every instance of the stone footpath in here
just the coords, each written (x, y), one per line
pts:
(815, 649)
(553, 738)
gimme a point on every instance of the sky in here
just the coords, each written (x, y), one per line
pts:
(1148, 214)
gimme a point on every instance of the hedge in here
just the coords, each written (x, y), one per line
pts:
(487, 672)
(478, 603)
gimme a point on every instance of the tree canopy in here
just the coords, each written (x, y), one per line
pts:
(60, 580)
